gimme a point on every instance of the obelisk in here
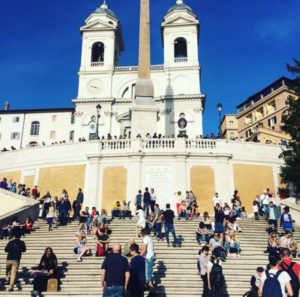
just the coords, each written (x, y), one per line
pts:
(144, 111)
(144, 86)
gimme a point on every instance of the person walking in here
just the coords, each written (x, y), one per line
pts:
(115, 273)
(273, 275)
(14, 250)
(169, 224)
(147, 251)
(137, 281)
(202, 267)
(147, 202)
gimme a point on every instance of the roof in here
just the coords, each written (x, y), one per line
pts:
(103, 9)
(267, 90)
(40, 110)
(180, 5)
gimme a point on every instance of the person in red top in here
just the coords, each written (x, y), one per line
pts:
(35, 193)
(286, 262)
(27, 227)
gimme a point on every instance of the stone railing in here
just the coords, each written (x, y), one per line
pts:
(115, 145)
(157, 145)
(97, 64)
(180, 60)
(200, 144)
(135, 68)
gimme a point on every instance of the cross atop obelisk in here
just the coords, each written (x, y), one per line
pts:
(144, 86)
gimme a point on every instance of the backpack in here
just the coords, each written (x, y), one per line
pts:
(293, 276)
(216, 276)
(272, 286)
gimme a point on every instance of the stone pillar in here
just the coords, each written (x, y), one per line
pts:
(92, 183)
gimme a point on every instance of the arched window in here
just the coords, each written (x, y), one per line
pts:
(125, 93)
(180, 49)
(32, 144)
(35, 128)
(98, 52)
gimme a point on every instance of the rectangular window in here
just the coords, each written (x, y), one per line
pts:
(73, 118)
(16, 119)
(71, 138)
(53, 118)
(272, 121)
(232, 136)
(15, 136)
(231, 124)
(53, 134)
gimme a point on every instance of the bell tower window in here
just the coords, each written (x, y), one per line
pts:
(180, 50)
(97, 54)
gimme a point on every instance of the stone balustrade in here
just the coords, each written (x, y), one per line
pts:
(157, 145)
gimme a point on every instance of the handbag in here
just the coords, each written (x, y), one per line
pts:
(52, 285)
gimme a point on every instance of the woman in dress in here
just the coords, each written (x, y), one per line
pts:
(81, 248)
(51, 215)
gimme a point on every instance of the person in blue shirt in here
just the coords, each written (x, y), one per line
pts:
(138, 199)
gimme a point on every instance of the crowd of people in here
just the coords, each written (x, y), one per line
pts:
(130, 267)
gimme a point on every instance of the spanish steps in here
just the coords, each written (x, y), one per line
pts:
(175, 269)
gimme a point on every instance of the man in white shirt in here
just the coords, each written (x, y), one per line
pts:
(264, 198)
(216, 200)
(283, 278)
(203, 261)
(147, 251)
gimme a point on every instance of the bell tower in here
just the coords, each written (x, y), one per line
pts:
(180, 32)
(102, 45)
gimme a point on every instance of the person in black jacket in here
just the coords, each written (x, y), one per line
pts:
(64, 210)
(47, 269)
(14, 250)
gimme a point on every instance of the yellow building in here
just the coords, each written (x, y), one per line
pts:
(229, 127)
(260, 116)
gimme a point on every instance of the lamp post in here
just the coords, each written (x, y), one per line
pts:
(98, 108)
(219, 109)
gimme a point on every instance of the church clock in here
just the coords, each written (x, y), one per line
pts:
(94, 86)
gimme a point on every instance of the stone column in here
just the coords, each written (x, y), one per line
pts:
(144, 41)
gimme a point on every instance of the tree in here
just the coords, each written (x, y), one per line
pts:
(291, 124)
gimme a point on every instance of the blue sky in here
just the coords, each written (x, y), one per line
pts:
(244, 45)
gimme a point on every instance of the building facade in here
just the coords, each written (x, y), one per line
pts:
(260, 116)
(26, 128)
(229, 127)
(176, 82)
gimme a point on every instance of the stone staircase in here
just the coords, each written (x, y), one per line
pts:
(175, 268)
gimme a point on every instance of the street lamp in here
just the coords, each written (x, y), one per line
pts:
(219, 109)
(98, 108)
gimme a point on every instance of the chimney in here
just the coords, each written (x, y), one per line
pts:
(6, 106)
